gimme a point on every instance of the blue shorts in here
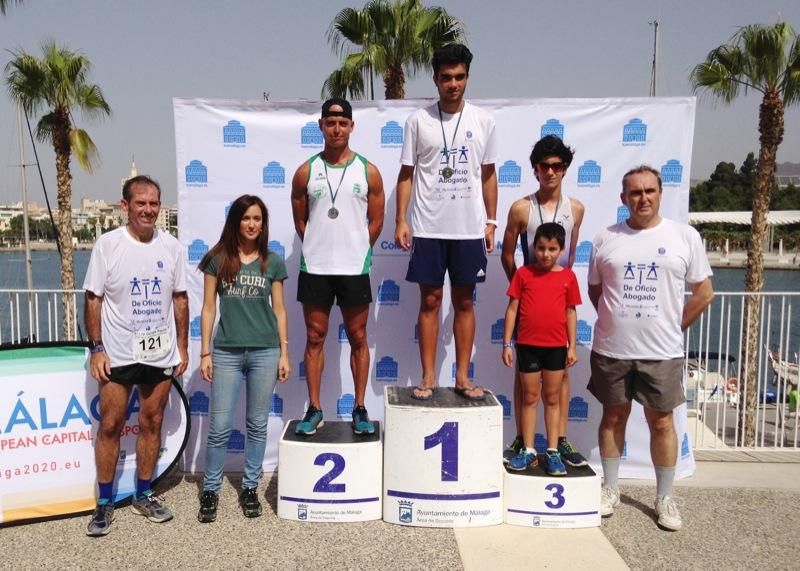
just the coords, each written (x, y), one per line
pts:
(463, 260)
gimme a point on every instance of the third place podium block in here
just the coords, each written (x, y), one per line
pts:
(332, 476)
(534, 499)
(442, 460)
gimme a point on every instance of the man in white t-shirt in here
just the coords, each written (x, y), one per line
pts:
(137, 319)
(448, 166)
(636, 284)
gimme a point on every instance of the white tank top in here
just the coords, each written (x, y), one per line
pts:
(537, 216)
(337, 245)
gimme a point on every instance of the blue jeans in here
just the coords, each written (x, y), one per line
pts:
(258, 367)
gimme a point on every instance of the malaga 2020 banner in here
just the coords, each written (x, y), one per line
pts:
(228, 148)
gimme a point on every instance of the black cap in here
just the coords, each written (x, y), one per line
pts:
(347, 110)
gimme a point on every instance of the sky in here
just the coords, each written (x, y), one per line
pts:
(147, 52)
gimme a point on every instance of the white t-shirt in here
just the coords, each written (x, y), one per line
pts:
(137, 280)
(448, 207)
(643, 273)
(538, 215)
(340, 245)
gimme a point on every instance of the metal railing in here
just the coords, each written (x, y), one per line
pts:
(37, 315)
(716, 380)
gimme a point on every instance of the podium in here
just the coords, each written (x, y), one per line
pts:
(442, 460)
(534, 499)
(333, 476)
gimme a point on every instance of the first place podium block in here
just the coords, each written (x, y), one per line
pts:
(442, 460)
(332, 476)
(534, 499)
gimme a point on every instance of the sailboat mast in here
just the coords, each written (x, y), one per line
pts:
(25, 222)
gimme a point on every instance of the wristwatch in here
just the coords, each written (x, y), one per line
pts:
(96, 346)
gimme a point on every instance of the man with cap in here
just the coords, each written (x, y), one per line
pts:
(338, 205)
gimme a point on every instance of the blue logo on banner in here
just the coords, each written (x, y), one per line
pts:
(391, 134)
(672, 173)
(386, 370)
(342, 334)
(583, 333)
(623, 214)
(388, 293)
(277, 248)
(345, 404)
(233, 134)
(583, 252)
(273, 174)
(406, 513)
(302, 512)
(236, 442)
(624, 450)
(539, 442)
(552, 127)
(509, 174)
(122, 455)
(389, 248)
(634, 132)
(301, 371)
(470, 371)
(196, 174)
(589, 174)
(497, 330)
(578, 409)
(276, 406)
(198, 404)
(194, 327)
(197, 249)
(506, 404)
(310, 135)
(685, 446)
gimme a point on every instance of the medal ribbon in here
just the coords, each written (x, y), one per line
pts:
(328, 180)
(539, 208)
(446, 150)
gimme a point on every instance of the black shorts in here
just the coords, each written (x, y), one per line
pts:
(320, 290)
(532, 359)
(463, 260)
(140, 374)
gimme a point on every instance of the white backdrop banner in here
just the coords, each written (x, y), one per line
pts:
(228, 148)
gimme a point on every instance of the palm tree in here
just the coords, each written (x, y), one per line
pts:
(58, 84)
(765, 59)
(395, 39)
(4, 4)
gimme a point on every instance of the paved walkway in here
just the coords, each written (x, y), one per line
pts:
(736, 514)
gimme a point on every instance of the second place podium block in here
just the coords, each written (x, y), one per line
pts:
(441, 462)
(332, 476)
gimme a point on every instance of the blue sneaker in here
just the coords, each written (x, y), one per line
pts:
(311, 421)
(570, 455)
(553, 464)
(522, 460)
(361, 421)
(513, 449)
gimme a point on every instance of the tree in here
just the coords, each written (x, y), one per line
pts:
(57, 83)
(4, 4)
(394, 40)
(765, 59)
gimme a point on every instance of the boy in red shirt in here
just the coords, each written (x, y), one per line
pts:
(544, 295)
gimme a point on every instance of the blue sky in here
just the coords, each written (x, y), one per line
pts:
(145, 53)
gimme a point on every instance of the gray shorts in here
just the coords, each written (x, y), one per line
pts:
(657, 385)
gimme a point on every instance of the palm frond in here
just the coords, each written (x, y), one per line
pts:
(84, 149)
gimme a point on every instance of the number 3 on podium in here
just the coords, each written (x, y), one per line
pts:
(447, 436)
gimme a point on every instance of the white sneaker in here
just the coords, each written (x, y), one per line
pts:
(609, 499)
(668, 515)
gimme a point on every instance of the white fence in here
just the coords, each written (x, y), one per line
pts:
(716, 359)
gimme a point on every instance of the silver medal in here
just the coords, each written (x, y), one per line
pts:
(333, 213)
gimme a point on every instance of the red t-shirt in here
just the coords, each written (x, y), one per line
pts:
(543, 300)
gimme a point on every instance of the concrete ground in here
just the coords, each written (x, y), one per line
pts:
(736, 514)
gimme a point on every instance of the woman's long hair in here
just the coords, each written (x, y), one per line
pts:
(227, 248)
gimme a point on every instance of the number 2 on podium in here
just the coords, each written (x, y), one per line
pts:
(447, 436)
(325, 483)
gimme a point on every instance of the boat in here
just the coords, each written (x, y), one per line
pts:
(784, 369)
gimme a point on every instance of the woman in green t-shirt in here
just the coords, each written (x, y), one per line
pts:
(251, 345)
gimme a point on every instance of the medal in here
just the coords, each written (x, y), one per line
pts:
(447, 172)
(333, 214)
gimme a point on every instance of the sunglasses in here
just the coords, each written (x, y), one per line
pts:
(558, 167)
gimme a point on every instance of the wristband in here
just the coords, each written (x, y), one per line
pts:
(508, 345)
(492, 221)
(203, 355)
(97, 349)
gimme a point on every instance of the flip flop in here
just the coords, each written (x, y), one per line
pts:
(421, 388)
(463, 392)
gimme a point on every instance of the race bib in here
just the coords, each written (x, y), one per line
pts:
(152, 344)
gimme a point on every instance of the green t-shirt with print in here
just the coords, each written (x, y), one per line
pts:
(246, 318)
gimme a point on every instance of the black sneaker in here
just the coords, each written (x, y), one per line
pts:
(102, 518)
(515, 448)
(208, 507)
(570, 455)
(248, 499)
